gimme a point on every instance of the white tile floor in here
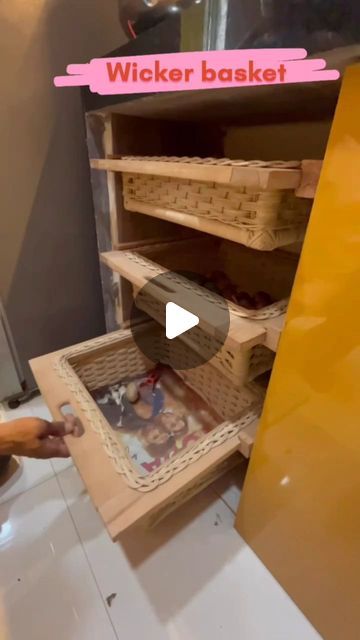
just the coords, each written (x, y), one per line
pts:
(192, 577)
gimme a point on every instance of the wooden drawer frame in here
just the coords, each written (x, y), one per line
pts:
(120, 506)
(234, 358)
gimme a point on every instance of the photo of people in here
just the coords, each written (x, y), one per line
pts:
(156, 416)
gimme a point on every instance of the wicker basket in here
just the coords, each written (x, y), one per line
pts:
(106, 360)
(248, 209)
(238, 365)
(273, 272)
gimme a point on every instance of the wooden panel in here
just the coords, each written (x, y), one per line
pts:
(129, 135)
(274, 328)
(310, 176)
(134, 135)
(99, 145)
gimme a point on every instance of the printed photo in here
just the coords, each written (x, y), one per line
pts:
(156, 416)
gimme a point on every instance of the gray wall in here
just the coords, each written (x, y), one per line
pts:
(49, 275)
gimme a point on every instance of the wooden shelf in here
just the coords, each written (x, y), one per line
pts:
(232, 199)
(203, 224)
(250, 175)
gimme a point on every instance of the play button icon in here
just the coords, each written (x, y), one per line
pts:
(178, 320)
(191, 323)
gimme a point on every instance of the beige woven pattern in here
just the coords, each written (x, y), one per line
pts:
(264, 220)
(239, 366)
(222, 162)
(116, 356)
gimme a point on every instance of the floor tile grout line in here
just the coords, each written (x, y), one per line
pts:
(55, 477)
(218, 495)
(85, 553)
(61, 470)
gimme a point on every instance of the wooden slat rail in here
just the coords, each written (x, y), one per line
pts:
(251, 176)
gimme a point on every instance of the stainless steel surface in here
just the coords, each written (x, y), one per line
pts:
(10, 372)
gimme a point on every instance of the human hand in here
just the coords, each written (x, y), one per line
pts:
(36, 438)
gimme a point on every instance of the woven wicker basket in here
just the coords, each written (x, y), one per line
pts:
(259, 216)
(116, 356)
(237, 365)
(240, 364)
(270, 271)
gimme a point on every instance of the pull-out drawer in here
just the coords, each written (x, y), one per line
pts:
(252, 203)
(244, 353)
(120, 493)
(235, 356)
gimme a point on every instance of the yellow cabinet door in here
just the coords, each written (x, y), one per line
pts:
(300, 509)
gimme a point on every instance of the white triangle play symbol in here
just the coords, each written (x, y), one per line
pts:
(178, 320)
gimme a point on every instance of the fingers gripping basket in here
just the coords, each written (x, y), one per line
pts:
(115, 357)
(252, 203)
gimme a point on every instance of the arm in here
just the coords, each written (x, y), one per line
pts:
(36, 438)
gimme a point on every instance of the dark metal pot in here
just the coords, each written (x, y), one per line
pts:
(136, 16)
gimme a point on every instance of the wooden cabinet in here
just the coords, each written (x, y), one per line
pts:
(138, 240)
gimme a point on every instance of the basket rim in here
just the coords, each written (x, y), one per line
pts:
(228, 162)
(115, 448)
(270, 311)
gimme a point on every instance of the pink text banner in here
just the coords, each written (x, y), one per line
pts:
(196, 70)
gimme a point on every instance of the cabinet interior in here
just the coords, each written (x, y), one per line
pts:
(147, 136)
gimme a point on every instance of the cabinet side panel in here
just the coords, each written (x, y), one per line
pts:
(99, 140)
